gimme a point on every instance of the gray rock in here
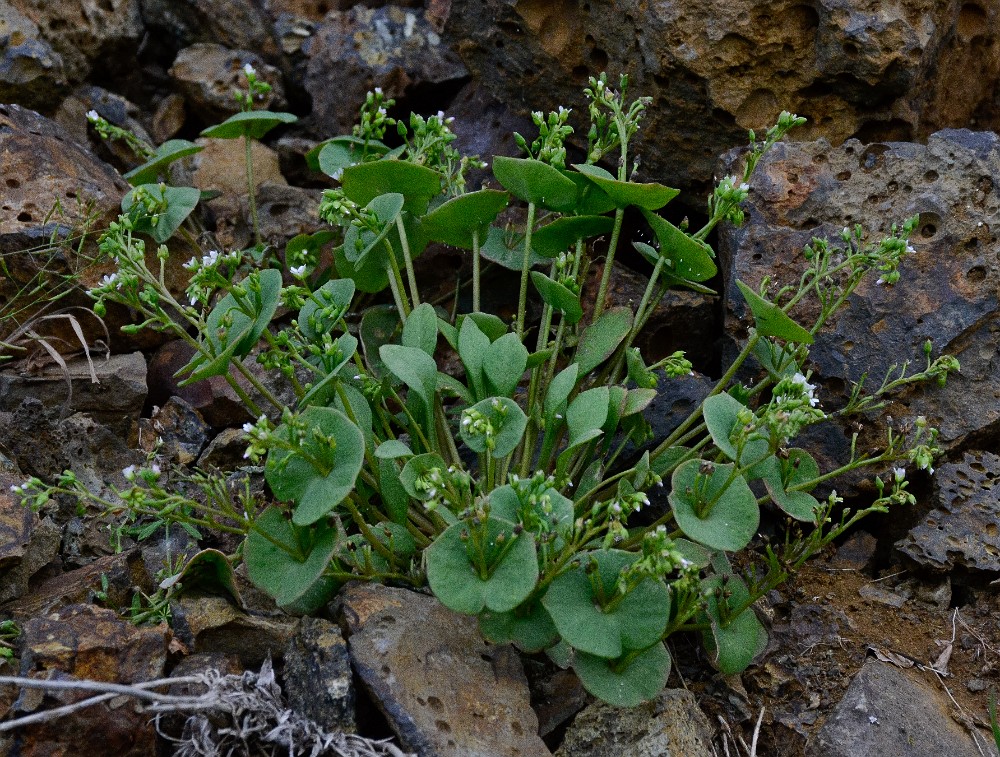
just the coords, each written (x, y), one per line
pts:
(357, 50)
(892, 713)
(115, 398)
(209, 74)
(284, 212)
(177, 431)
(442, 688)
(715, 68)
(72, 116)
(236, 24)
(947, 291)
(27, 543)
(31, 71)
(962, 529)
(317, 675)
(671, 725)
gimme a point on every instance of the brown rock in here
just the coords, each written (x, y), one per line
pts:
(27, 543)
(168, 118)
(947, 291)
(222, 166)
(209, 75)
(236, 24)
(177, 429)
(356, 50)
(72, 116)
(284, 212)
(715, 68)
(443, 689)
(31, 72)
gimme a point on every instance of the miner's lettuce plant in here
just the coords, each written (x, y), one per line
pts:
(509, 487)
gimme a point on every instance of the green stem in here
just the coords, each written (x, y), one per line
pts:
(522, 298)
(602, 291)
(475, 271)
(408, 261)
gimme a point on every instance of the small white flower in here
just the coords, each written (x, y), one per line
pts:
(899, 474)
(191, 264)
(210, 259)
(337, 174)
(15, 488)
(744, 187)
(909, 249)
(880, 281)
(382, 112)
(93, 116)
(298, 271)
(155, 469)
(249, 70)
(378, 90)
(110, 279)
(248, 428)
(129, 472)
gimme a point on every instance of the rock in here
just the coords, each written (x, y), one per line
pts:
(72, 116)
(208, 75)
(671, 725)
(89, 643)
(947, 290)
(225, 451)
(86, 33)
(222, 166)
(556, 699)
(236, 24)
(123, 572)
(31, 71)
(165, 549)
(856, 552)
(168, 118)
(213, 398)
(715, 68)
(962, 529)
(893, 713)
(115, 399)
(27, 543)
(284, 212)
(208, 623)
(356, 50)
(176, 430)
(883, 596)
(443, 689)
(318, 676)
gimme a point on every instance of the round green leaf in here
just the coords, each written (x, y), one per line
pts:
(690, 258)
(506, 505)
(180, 202)
(591, 200)
(319, 484)
(508, 421)
(557, 237)
(392, 449)
(731, 522)
(507, 250)
(624, 193)
(732, 642)
(369, 274)
(770, 320)
(721, 413)
(254, 124)
(529, 628)
(363, 182)
(334, 155)
(780, 476)
(285, 577)
(455, 580)
(635, 622)
(455, 221)
(535, 182)
(165, 154)
(602, 337)
(416, 467)
(558, 297)
(325, 306)
(625, 683)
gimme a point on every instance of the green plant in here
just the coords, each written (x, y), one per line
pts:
(507, 490)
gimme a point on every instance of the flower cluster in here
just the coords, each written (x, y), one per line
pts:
(552, 134)
(374, 116)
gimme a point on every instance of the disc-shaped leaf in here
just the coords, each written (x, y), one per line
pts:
(782, 476)
(254, 124)
(590, 198)
(530, 628)
(558, 297)
(535, 182)
(318, 481)
(602, 337)
(650, 196)
(508, 422)
(628, 685)
(690, 258)
(557, 237)
(732, 642)
(455, 221)
(211, 569)
(413, 367)
(359, 242)
(369, 274)
(505, 363)
(180, 201)
(586, 618)
(511, 568)
(273, 569)
(421, 329)
(415, 468)
(588, 411)
(325, 307)
(334, 155)
(363, 182)
(770, 320)
(712, 509)
(507, 250)
(167, 153)
(721, 413)
(555, 509)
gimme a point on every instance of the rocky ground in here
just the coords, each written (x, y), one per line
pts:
(888, 644)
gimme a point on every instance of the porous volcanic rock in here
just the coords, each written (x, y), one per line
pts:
(715, 68)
